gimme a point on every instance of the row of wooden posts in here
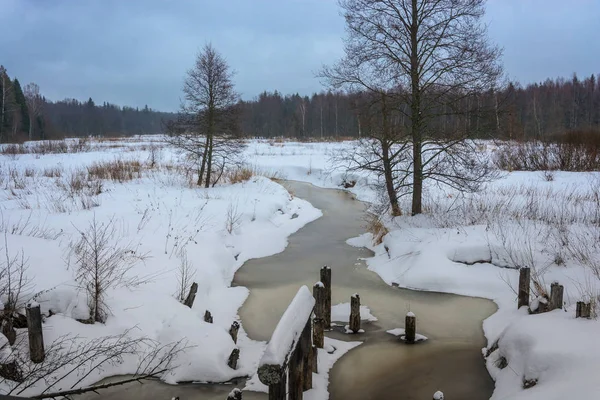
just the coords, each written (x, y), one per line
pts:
(555, 300)
(294, 376)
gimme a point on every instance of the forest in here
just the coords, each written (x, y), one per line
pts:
(521, 112)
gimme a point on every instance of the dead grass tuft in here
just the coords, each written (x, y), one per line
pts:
(376, 228)
(116, 170)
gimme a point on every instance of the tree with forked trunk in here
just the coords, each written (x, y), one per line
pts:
(206, 129)
(430, 58)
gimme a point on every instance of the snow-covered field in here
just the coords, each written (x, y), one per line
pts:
(470, 245)
(462, 244)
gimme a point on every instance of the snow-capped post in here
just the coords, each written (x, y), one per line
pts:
(524, 282)
(410, 327)
(208, 317)
(233, 358)
(355, 313)
(326, 279)
(319, 321)
(583, 310)
(34, 329)
(438, 395)
(235, 394)
(189, 300)
(556, 296)
(233, 331)
(285, 350)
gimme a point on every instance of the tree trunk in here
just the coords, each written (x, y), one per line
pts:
(209, 161)
(203, 163)
(389, 179)
(417, 193)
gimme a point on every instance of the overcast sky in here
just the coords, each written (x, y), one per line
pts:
(136, 52)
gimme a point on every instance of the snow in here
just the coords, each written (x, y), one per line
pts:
(464, 244)
(401, 331)
(410, 314)
(341, 313)
(289, 328)
(319, 284)
(167, 219)
(473, 244)
(438, 395)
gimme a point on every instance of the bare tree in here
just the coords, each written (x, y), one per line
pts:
(71, 360)
(432, 56)
(102, 263)
(15, 290)
(34, 104)
(207, 127)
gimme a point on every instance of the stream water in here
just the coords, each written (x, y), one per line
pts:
(381, 367)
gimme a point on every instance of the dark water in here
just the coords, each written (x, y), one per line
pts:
(381, 368)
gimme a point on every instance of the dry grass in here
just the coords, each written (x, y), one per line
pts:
(239, 175)
(376, 228)
(52, 172)
(116, 170)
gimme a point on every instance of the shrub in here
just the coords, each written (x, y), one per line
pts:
(117, 170)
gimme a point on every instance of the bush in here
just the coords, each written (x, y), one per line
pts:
(117, 170)
(574, 151)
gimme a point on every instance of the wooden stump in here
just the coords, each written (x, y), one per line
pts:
(438, 395)
(307, 355)
(296, 374)
(556, 296)
(36, 338)
(355, 313)
(8, 330)
(233, 331)
(315, 359)
(583, 310)
(11, 371)
(189, 300)
(233, 358)
(235, 394)
(318, 332)
(524, 283)
(326, 280)
(278, 391)
(208, 317)
(410, 328)
(319, 321)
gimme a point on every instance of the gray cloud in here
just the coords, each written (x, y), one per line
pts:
(136, 52)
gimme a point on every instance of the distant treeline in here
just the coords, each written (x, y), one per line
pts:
(536, 111)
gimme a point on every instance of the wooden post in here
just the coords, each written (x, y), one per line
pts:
(278, 391)
(233, 331)
(326, 280)
(355, 313)
(438, 395)
(319, 321)
(524, 281)
(34, 328)
(315, 359)
(235, 394)
(410, 327)
(296, 373)
(583, 310)
(208, 317)
(556, 296)
(233, 358)
(189, 300)
(307, 355)
(8, 330)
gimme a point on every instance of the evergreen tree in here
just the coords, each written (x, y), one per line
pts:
(21, 108)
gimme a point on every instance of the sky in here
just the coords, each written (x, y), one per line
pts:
(136, 52)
